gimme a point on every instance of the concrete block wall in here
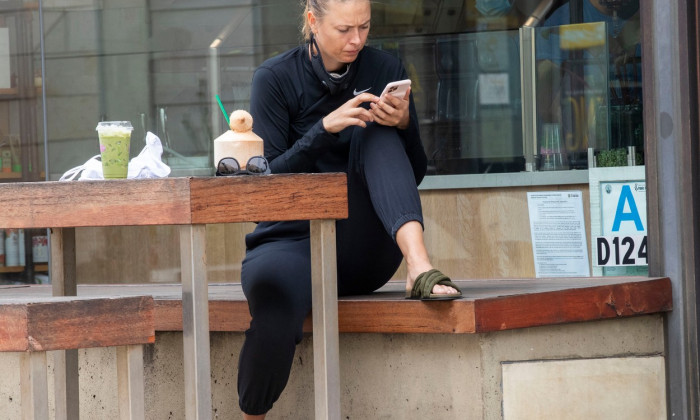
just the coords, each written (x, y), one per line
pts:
(412, 376)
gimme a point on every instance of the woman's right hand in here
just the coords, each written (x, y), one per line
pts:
(350, 113)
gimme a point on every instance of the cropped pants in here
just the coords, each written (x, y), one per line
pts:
(276, 275)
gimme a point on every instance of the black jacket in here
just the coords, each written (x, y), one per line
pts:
(288, 103)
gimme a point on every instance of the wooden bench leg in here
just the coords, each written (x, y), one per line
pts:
(325, 319)
(34, 386)
(65, 381)
(63, 283)
(130, 382)
(195, 322)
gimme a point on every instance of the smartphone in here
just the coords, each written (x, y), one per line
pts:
(397, 88)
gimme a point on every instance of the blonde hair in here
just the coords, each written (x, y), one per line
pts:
(319, 9)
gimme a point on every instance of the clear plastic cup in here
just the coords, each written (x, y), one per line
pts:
(552, 157)
(115, 138)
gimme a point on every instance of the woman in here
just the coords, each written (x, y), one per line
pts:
(314, 109)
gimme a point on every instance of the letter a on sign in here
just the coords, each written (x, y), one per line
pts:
(632, 215)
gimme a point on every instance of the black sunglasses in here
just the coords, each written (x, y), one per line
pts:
(229, 166)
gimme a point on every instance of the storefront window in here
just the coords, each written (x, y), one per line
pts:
(467, 93)
(588, 66)
(570, 94)
(23, 252)
(161, 64)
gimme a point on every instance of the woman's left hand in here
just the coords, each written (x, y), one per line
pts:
(392, 111)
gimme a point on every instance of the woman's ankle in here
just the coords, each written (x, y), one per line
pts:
(409, 237)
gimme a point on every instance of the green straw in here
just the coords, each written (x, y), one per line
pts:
(222, 109)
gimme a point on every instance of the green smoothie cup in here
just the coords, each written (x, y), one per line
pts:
(115, 137)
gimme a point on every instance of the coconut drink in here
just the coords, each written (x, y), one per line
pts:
(239, 142)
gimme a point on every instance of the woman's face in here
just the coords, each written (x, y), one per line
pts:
(342, 32)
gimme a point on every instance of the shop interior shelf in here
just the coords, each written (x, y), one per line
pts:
(9, 91)
(10, 175)
(20, 268)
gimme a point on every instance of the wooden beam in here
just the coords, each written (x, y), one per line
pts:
(168, 201)
(224, 315)
(269, 198)
(489, 305)
(64, 283)
(573, 305)
(95, 203)
(13, 327)
(130, 382)
(34, 386)
(70, 323)
(195, 321)
(405, 317)
(324, 303)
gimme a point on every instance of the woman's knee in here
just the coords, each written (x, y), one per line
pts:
(278, 299)
(376, 149)
(377, 136)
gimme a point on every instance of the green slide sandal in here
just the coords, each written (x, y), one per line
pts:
(424, 284)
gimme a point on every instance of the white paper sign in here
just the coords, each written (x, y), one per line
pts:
(493, 89)
(616, 251)
(613, 206)
(558, 234)
(624, 240)
(624, 207)
(5, 58)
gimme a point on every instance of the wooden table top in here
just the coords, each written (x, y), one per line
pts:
(174, 201)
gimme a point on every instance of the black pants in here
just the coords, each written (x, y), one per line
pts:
(276, 275)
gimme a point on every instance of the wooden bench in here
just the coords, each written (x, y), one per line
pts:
(489, 305)
(39, 324)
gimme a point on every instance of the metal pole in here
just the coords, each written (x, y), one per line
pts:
(670, 89)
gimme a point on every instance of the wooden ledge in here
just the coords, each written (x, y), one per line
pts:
(624, 298)
(489, 305)
(57, 323)
(495, 305)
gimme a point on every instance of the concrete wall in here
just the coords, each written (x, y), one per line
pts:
(414, 376)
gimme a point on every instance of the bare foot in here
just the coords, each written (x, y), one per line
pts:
(410, 240)
(437, 289)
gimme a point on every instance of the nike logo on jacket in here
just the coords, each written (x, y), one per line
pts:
(357, 92)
